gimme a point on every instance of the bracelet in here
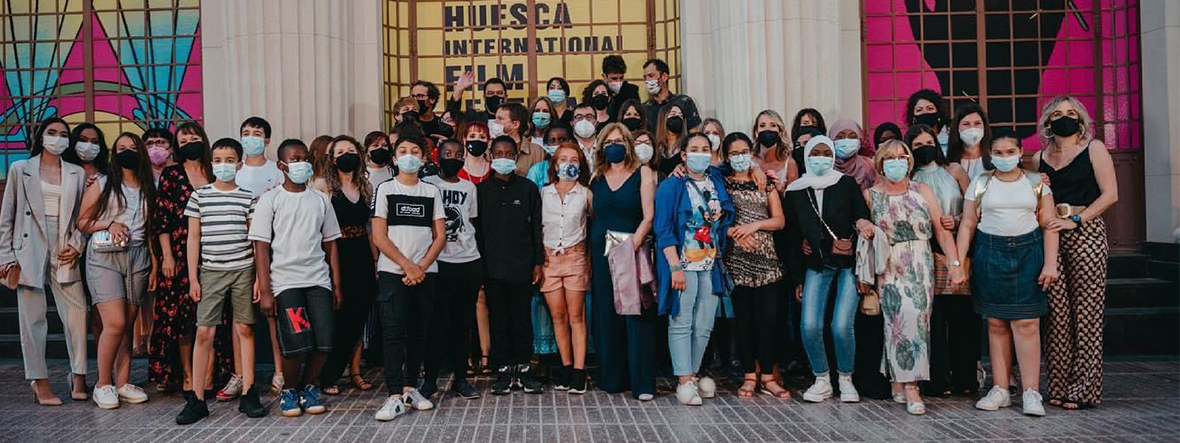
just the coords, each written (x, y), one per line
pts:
(677, 267)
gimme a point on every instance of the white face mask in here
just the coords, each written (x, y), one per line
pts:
(971, 136)
(615, 87)
(584, 129)
(714, 141)
(653, 86)
(87, 152)
(495, 129)
(54, 144)
(644, 151)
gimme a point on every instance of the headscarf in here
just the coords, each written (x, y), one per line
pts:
(809, 179)
(858, 166)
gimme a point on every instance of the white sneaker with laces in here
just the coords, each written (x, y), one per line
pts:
(415, 400)
(393, 407)
(1031, 401)
(848, 392)
(708, 387)
(688, 394)
(132, 394)
(106, 397)
(995, 399)
(232, 389)
(820, 390)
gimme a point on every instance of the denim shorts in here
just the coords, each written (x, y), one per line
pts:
(1004, 276)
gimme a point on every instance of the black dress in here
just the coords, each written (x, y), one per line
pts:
(358, 280)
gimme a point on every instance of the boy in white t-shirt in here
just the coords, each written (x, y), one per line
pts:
(258, 174)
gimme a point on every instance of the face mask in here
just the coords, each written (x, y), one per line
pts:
(768, 138)
(299, 172)
(568, 171)
(477, 147)
(714, 141)
(450, 167)
(633, 123)
(549, 149)
(380, 156)
(492, 103)
(193, 150)
(675, 124)
(584, 129)
(1064, 126)
(615, 152)
(541, 119)
(55, 144)
(156, 154)
(923, 155)
(423, 107)
(128, 159)
(1006, 164)
(644, 151)
(971, 136)
(253, 146)
(614, 87)
(819, 165)
(225, 171)
(348, 162)
(930, 119)
(653, 86)
(600, 101)
(557, 96)
(409, 163)
(495, 129)
(698, 162)
(846, 148)
(896, 169)
(444, 130)
(741, 162)
(87, 152)
(504, 166)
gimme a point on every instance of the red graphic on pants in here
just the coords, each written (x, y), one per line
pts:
(298, 320)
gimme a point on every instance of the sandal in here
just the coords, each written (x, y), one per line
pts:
(748, 393)
(1071, 405)
(780, 393)
(484, 369)
(361, 384)
(331, 390)
(1055, 402)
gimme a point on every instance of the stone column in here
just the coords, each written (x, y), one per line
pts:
(1160, 21)
(308, 67)
(743, 56)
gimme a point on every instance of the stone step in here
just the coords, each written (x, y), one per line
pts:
(1141, 292)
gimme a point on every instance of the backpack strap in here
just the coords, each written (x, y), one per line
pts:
(979, 190)
(1034, 181)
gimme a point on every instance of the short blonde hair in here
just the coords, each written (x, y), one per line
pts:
(405, 101)
(1085, 128)
(888, 148)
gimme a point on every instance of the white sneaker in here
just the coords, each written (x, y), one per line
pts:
(106, 397)
(707, 386)
(688, 394)
(1032, 403)
(646, 397)
(848, 392)
(391, 409)
(820, 391)
(415, 400)
(995, 399)
(232, 389)
(132, 394)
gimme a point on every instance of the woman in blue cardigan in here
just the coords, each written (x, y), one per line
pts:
(693, 212)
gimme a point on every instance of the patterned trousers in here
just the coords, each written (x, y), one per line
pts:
(1076, 302)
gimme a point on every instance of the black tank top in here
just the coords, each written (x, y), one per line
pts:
(1074, 184)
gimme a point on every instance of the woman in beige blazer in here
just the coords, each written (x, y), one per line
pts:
(39, 249)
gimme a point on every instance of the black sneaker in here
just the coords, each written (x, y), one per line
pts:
(577, 381)
(194, 410)
(428, 389)
(561, 378)
(526, 380)
(503, 383)
(250, 405)
(515, 370)
(464, 389)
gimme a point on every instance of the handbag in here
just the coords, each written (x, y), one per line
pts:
(870, 303)
(615, 238)
(102, 241)
(841, 247)
(12, 276)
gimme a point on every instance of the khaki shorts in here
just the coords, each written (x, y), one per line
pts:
(215, 286)
(568, 270)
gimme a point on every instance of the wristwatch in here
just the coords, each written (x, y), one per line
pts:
(1077, 218)
(955, 263)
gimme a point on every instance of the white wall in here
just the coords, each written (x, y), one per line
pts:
(1160, 21)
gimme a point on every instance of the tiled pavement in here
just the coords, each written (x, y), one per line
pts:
(1142, 403)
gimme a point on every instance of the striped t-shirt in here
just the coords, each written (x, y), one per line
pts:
(224, 216)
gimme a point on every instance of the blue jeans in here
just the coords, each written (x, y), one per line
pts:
(689, 329)
(817, 286)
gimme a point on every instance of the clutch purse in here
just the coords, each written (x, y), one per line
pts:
(615, 238)
(12, 277)
(102, 241)
(870, 304)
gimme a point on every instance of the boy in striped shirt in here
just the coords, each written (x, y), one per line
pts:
(219, 218)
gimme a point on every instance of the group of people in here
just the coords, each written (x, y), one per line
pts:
(472, 240)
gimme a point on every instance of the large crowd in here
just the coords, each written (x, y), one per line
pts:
(563, 244)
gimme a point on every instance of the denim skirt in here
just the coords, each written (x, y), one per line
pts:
(1004, 275)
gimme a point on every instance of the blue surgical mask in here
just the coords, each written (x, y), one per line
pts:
(1006, 164)
(615, 152)
(253, 146)
(741, 162)
(846, 148)
(896, 169)
(504, 165)
(557, 96)
(819, 165)
(698, 162)
(550, 149)
(568, 171)
(225, 171)
(409, 163)
(299, 172)
(541, 119)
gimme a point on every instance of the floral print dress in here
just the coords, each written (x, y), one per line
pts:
(907, 286)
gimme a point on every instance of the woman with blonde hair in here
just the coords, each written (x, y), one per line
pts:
(773, 150)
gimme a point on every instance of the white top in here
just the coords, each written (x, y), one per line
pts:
(224, 217)
(52, 195)
(563, 222)
(379, 175)
(259, 179)
(133, 214)
(296, 224)
(588, 150)
(410, 212)
(973, 166)
(461, 206)
(1009, 208)
(539, 141)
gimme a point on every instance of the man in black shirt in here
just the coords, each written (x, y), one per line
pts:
(495, 91)
(427, 95)
(613, 71)
(655, 80)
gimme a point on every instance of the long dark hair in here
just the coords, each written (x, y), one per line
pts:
(728, 141)
(954, 144)
(104, 153)
(796, 128)
(912, 133)
(206, 160)
(114, 182)
(929, 95)
(35, 145)
(360, 177)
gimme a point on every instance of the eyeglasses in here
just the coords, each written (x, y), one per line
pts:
(157, 143)
(419, 96)
(897, 157)
(578, 118)
(615, 140)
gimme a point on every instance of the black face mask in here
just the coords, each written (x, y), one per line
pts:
(193, 150)
(1065, 126)
(380, 156)
(930, 119)
(130, 159)
(423, 108)
(477, 147)
(450, 167)
(600, 101)
(493, 102)
(348, 162)
(444, 130)
(675, 124)
(768, 138)
(410, 116)
(923, 155)
(633, 123)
